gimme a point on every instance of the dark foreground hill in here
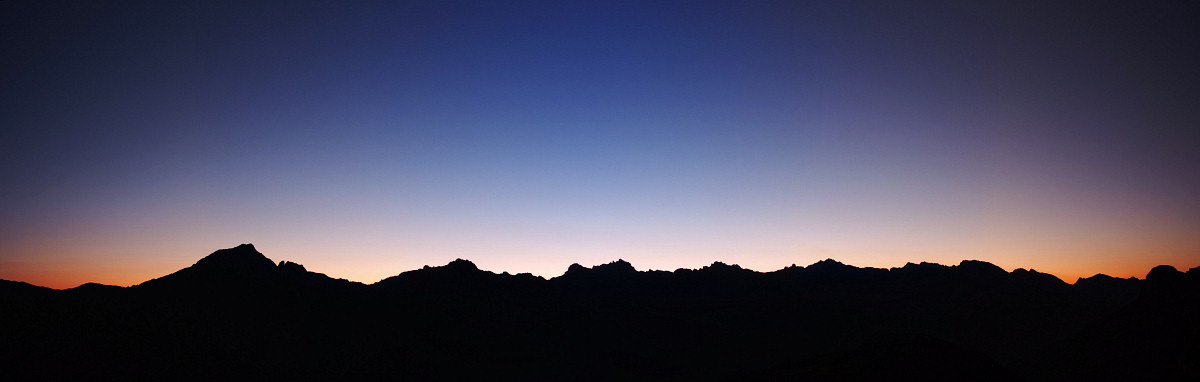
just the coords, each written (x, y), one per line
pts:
(236, 315)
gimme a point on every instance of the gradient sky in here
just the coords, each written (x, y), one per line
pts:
(363, 139)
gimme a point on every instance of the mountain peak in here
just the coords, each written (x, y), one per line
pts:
(288, 266)
(240, 257)
(721, 265)
(827, 264)
(462, 265)
(1163, 272)
(924, 265)
(1033, 275)
(459, 270)
(619, 268)
(1165, 283)
(238, 265)
(616, 266)
(981, 268)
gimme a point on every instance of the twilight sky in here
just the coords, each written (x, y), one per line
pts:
(363, 139)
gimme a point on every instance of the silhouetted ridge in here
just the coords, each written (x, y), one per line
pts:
(1152, 338)
(719, 268)
(967, 274)
(241, 266)
(829, 264)
(22, 290)
(236, 314)
(924, 267)
(461, 265)
(1166, 284)
(244, 269)
(978, 268)
(243, 258)
(619, 268)
(457, 270)
(458, 278)
(1044, 279)
(1163, 273)
(615, 277)
(719, 278)
(288, 266)
(94, 287)
(1105, 287)
(575, 268)
(1100, 278)
(85, 286)
(616, 267)
(832, 271)
(827, 269)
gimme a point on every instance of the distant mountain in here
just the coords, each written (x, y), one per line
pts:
(18, 289)
(1105, 287)
(237, 315)
(241, 266)
(241, 270)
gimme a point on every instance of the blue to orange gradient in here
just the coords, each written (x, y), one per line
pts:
(370, 138)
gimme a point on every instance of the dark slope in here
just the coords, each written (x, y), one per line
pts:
(242, 269)
(1156, 338)
(1107, 288)
(238, 315)
(16, 290)
(459, 278)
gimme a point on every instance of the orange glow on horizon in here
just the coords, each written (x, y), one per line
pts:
(69, 274)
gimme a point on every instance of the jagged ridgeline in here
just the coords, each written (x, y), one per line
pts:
(237, 315)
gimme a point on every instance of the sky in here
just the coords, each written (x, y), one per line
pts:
(367, 138)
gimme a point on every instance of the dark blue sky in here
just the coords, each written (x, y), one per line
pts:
(366, 138)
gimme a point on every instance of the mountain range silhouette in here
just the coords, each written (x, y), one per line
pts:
(237, 315)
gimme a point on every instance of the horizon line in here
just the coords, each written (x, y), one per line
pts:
(279, 262)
